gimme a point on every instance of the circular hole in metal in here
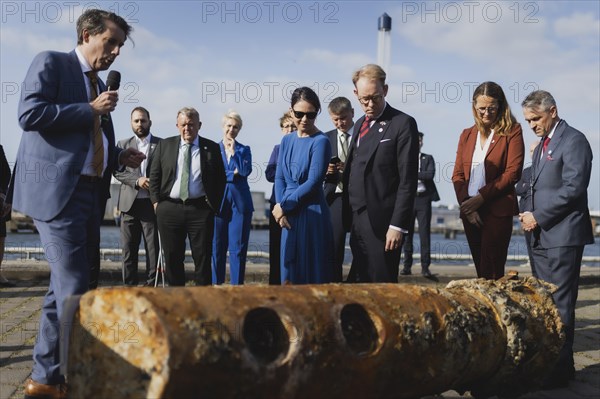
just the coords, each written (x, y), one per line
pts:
(265, 334)
(358, 329)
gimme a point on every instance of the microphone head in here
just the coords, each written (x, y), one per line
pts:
(113, 81)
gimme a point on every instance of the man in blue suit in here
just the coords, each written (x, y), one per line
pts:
(65, 160)
(559, 218)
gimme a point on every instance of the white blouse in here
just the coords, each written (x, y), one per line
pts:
(477, 179)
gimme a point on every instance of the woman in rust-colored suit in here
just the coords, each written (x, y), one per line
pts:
(489, 161)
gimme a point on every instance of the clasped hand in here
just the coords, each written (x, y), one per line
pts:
(280, 218)
(528, 222)
(469, 209)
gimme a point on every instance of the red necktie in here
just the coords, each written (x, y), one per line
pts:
(545, 145)
(364, 128)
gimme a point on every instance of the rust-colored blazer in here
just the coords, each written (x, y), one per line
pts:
(503, 166)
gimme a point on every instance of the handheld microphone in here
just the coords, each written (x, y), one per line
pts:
(113, 81)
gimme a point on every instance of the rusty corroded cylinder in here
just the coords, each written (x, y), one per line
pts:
(321, 341)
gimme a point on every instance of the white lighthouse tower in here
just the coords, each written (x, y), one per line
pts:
(384, 26)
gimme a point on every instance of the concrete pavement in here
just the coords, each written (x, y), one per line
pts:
(20, 308)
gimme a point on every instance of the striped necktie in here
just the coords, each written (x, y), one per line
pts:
(364, 128)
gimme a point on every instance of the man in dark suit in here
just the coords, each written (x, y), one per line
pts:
(426, 193)
(380, 179)
(64, 164)
(342, 115)
(523, 190)
(137, 213)
(560, 218)
(187, 182)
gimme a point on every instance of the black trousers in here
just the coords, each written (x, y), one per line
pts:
(274, 250)
(369, 258)
(195, 221)
(422, 213)
(339, 237)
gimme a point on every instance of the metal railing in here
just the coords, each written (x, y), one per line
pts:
(111, 253)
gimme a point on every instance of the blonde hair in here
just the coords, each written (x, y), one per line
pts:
(505, 119)
(231, 114)
(370, 71)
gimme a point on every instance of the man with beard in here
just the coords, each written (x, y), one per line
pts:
(137, 214)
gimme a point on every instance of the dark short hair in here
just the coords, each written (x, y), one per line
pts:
(306, 94)
(339, 105)
(93, 21)
(141, 109)
(421, 134)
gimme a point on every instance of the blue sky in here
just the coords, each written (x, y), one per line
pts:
(249, 56)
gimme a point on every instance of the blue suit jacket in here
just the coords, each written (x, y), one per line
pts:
(237, 190)
(57, 120)
(559, 185)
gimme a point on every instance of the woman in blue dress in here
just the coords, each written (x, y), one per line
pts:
(301, 209)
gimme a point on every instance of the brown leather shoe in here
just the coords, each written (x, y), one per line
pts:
(35, 390)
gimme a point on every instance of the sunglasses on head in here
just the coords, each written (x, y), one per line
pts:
(300, 115)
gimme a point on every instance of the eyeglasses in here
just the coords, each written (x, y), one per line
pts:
(490, 110)
(366, 100)
(300, 115)
(288, 126)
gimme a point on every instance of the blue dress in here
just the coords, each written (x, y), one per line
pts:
(306, 248)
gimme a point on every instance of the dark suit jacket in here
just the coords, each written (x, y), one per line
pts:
(331, 181)
(426, 175)
(4, 171)
(559, 189)
(56, 117)
(390, 178)
(523, 190)
(503, 166)
(271, 170)
(129, 176)
(164, 169)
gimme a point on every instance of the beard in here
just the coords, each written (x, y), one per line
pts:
(143, 132)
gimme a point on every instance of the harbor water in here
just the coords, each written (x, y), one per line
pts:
(443, 250)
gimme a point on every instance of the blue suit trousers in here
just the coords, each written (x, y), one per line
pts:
(70, 241)
(232, 232)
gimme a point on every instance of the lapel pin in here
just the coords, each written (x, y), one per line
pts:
(382, 123)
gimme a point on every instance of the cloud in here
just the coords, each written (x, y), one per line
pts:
(32, 43)
(578, 25)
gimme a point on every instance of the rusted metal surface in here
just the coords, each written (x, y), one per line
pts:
(320, 341)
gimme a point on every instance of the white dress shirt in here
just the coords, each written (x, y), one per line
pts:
(88, 168)
(143, 145)
(196, 188)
